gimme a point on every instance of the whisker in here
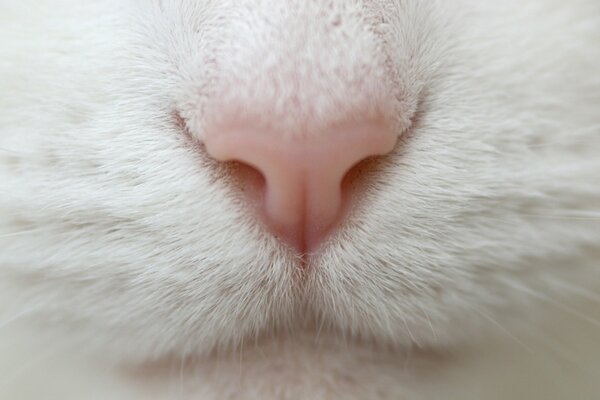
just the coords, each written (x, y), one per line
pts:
(572, 215)
(569, 310)
(504, 330)
(321, 325)
(24, 232)
(578, 290)
(557, 352)
(433, 331)
(14, 318)
(410, 335)
(15, 152)
(241, 360)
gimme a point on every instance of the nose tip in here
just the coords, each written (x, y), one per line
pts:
(302, 196)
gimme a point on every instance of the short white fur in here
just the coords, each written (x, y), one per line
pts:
(119, 234)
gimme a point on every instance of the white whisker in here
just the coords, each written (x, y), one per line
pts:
(412, 337)
(433, 331)
(578, 290)
(11, 151)
(570, 215)
(504, 330)
(557, 304)
(24, 232)
(557, 352)
(14, 318)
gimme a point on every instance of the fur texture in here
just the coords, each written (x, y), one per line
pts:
(121, 236)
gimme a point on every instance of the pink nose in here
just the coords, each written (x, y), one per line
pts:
(302, 196)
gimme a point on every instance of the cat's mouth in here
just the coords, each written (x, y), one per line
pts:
(291, 357)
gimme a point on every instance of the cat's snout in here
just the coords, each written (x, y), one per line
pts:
(300, 196)
(298, 100)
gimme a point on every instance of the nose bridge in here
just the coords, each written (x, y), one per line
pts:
(297, 66)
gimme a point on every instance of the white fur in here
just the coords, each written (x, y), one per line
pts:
(120, 236)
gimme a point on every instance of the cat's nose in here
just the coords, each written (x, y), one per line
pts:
(300, 196)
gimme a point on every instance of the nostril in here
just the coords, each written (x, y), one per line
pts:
(250, 182)
(252, 186)
(357, 181)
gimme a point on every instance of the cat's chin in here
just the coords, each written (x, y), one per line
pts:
(303, 365)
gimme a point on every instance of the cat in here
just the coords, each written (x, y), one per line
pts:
(460, 259)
